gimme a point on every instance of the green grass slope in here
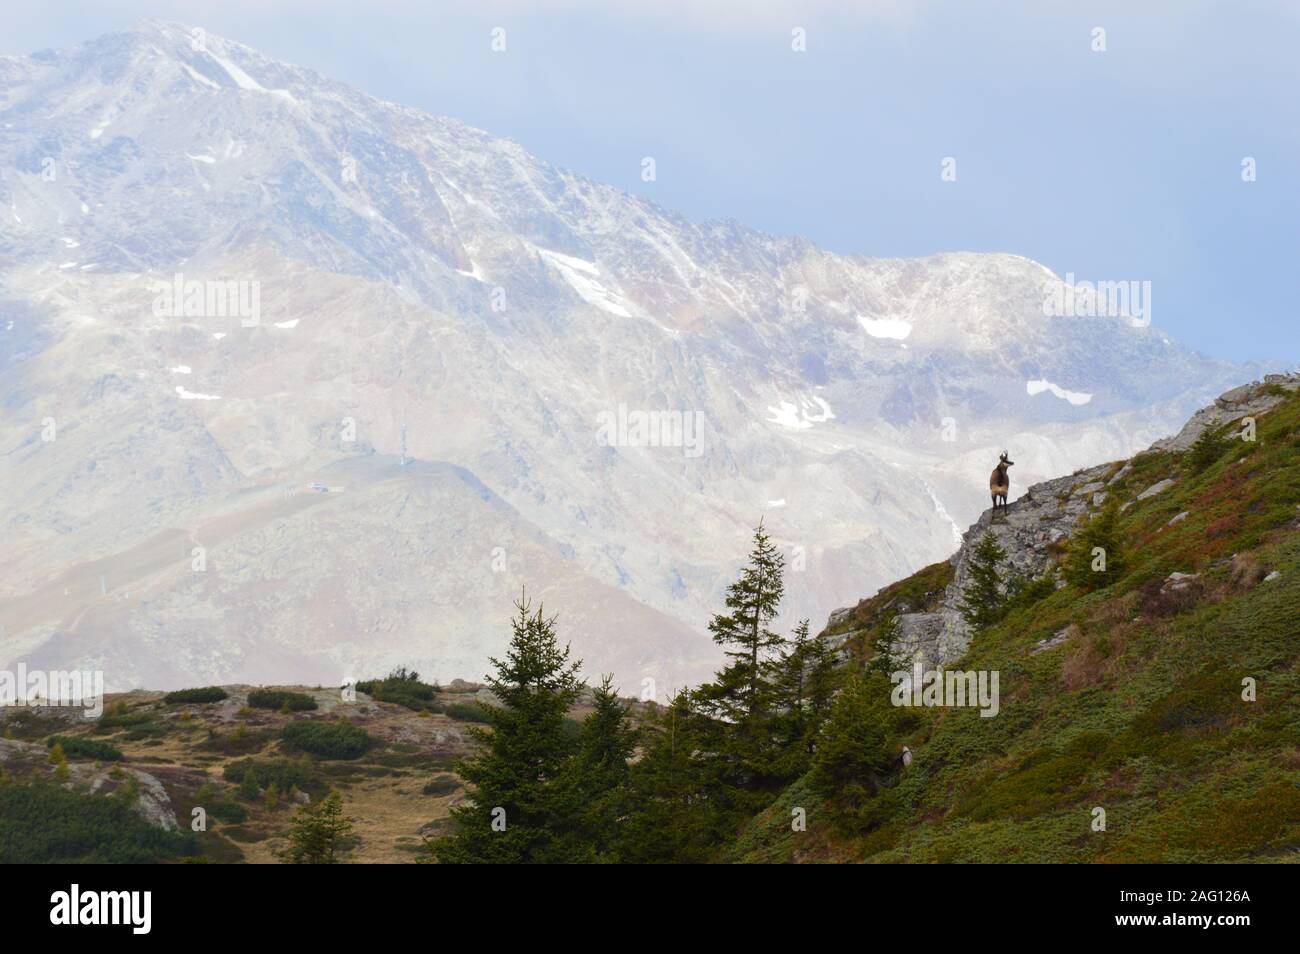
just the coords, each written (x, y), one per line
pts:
(1139, 711)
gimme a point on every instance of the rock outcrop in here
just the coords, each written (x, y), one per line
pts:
(1245, 401)
(1048, 513)
(1026, 530)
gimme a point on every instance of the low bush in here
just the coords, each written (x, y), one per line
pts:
(79, 747)
(195, 696)
(466, 712)
(281, 699)
(239, 741)
(1208, 699)
(327, 740)
(441, 785)
(286, 774)
(401, 687)
(41, 823)
(225, 810)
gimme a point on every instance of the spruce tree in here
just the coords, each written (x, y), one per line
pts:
(318, 833)
(594, 780)
(882, 658)
(805, 679)
(515, 808)
(742, 699)
(983, 599)
(741, 690)
(681, 807)
(856, 747)
(824, 678)
(1096, 556)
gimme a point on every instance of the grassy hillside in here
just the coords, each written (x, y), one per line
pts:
(1136, 707)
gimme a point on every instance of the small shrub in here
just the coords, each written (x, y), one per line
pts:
(224, 810)
(1208, 699)
(121, 716)
(466, 712)
(195, 696)
(240, 741)
(285, 773)
(1095, 557)
(1206, 450)
(281, 699)
(441, 785)
(30, 725)
(401, 687)
(1160, 599)
(78, 747)
(327, 740)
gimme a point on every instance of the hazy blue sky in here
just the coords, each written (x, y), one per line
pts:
(1117, 165)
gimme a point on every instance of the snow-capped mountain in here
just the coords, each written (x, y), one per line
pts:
(298, 384)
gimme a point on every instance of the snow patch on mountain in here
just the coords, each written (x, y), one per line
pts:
(1074, 397)
(584, 278)
(895, 328)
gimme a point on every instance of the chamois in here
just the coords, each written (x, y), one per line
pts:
(1000, 483)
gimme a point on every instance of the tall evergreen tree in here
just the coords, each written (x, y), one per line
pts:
(515, 807)
(741, 690)
(856, 748)
(680, 804)
(984, 597)
(595, 779)
(804, 679)
(741, 702)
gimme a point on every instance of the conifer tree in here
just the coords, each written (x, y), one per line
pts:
(515, 807)
(681, 807)
(742, 701)
(856, 748)
(741, 690)
(1208, 447)
(983, 599)
(882, 659)
(595, 778)
(824, 678)
(1096, 555)
(805, 679)
(318, 833)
